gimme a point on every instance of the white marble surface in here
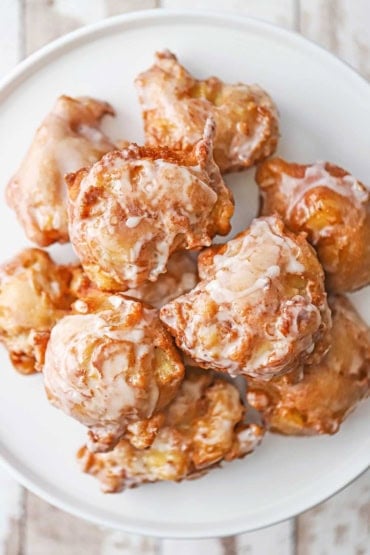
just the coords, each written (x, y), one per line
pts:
(340, 526)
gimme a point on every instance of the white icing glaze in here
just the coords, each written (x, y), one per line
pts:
(92, 134)
(261, 256)
(81, 306)
(180, 277)
(317, 176)
(133, 221)
(249, 438)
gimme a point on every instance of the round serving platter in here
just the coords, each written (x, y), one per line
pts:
(325, 110)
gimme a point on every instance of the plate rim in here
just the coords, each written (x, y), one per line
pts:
(42, 57)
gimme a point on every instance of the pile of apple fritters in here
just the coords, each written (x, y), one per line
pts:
(140, 339)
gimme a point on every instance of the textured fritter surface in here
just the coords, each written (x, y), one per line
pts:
(202, 427)
(332, 207)
(176, 105)
(181, 276)
(329, 390)
(136, 207)
(260, 308)
(34, 294)
(69, 138)
(109, 364)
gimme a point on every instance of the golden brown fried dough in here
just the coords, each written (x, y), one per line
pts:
(110, 364)
(69, 138)
(176, 106)
(260, 307)
(332, 207)
(136, 207)
(34, 294)
(329, 390)
(202, 427)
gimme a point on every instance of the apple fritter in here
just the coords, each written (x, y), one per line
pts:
(332, 207)
(176, 105)
(329, 390)
(109, 364)
(202, 427)
(260, 308)
(34, 294)
(136, 207)
(69, 138)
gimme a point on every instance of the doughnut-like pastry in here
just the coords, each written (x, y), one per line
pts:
(136, 207)
(176, 105)
(34, 294)
(68, 139)
(201, 428)
(329, 390)
(110, 364)
(332, 207)
(260, 307)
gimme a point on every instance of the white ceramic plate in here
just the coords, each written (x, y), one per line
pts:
(325, 114)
